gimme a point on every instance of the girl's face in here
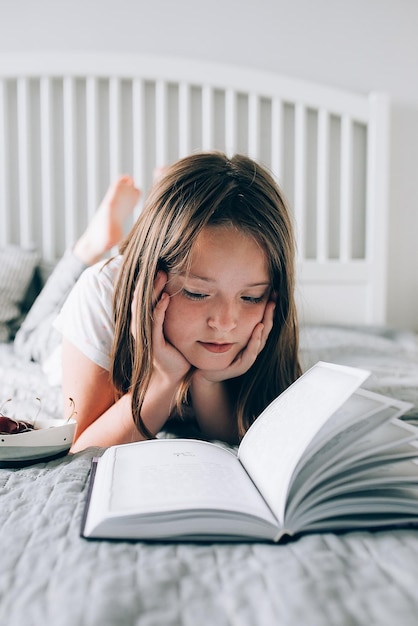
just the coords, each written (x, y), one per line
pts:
(215, 307)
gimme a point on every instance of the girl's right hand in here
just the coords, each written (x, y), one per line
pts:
(168, 361)
(169, 366)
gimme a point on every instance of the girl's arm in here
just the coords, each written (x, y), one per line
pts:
(100, 420)
(212, 408)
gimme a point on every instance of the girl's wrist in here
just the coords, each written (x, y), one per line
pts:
(164, 380)
(199, 379)
(159, 401)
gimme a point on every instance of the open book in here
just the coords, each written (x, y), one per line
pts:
(324, 455)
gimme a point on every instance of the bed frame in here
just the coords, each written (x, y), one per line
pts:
(69, 123)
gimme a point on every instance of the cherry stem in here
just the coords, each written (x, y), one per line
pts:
(73, 411)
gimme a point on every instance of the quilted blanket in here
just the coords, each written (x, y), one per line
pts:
(50, 576)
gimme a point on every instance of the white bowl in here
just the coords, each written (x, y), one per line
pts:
(52, 437)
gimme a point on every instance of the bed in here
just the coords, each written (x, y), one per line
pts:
(69, 124)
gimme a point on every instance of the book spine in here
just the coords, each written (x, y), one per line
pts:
(93, 469)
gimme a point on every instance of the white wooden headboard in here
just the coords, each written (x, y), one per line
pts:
(70, 123)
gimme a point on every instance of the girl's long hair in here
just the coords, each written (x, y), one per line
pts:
(207, 189)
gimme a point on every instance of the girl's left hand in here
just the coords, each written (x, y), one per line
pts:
(246, 358)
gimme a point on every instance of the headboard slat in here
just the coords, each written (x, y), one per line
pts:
(47, 171)
(115, 121)
(5, 206)
(70, 172)
(184, 119)
(254, 126)
(207, 113)
(322, 191)
(161, 127)
(24, 139)
(92, 148)
(138, 140)
(230, 121)
(346, 198)
(299, 189)
(277, 137)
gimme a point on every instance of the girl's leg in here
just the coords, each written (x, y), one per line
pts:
(106, 227)
(36, 339)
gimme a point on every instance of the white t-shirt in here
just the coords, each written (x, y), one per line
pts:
(86, 319)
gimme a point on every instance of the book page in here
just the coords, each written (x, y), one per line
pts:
(365, 508)
(351, 429)
(175, 474)
(358, 407)
(366, 443)
(375, 478)
(275, 443)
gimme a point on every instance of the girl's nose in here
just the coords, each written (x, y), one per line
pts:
(223, 318)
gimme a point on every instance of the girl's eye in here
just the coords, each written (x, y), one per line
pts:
(194, 296)
(253, 300)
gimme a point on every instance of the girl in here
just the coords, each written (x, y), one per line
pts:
(195, 319)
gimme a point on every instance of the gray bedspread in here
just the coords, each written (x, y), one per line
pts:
(51, 576)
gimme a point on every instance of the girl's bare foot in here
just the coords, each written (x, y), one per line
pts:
(105, 230)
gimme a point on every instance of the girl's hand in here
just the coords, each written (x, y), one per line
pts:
(246, 358)
(168, 361)
(169, 365)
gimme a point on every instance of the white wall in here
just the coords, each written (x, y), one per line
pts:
(358, 44)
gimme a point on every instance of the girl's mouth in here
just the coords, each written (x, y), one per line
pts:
(217, 348)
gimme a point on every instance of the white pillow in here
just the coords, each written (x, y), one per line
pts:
(17, 267)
